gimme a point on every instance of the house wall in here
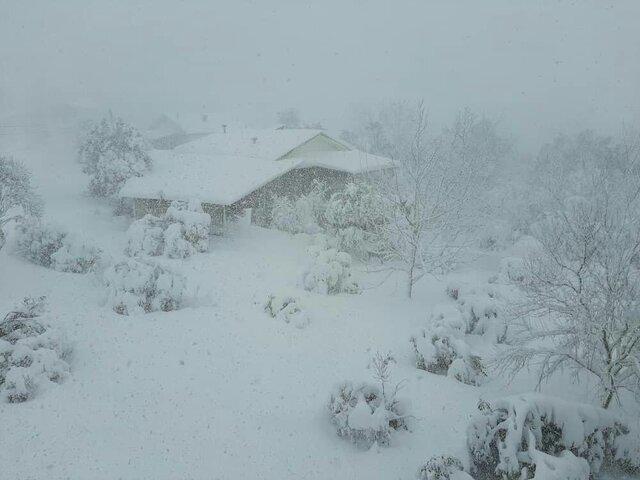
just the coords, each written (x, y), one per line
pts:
(149, 206)
(292, 184)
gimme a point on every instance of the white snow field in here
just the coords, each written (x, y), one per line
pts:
(219, 389)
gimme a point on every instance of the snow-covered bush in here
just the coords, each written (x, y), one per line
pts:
(329, 271)
(52, 247)
(76, 255)
(509, 438)
(37, 242)
(443, 351)
(513, 270)
(302, 215)
(354, 216)
(443, 467)
(135, 287)
(627, 452)
(16, 189)
(32, 354)
(182, 231)
(111, 153)
(481, 311)
(288, 309)
(367, 413)
(145, 237)
(194, 224)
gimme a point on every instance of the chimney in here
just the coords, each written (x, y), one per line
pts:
(254, 140)
(224, 128)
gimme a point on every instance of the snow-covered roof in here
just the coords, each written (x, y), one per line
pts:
(265, 144)
(224, 168)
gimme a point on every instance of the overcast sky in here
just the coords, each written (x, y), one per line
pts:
(539, 66)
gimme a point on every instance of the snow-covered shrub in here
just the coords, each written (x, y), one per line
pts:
(76, 255)
(52, 247)
(145, 237)
(329, 271)
(175, 245)
(32, 354)
(443, 351)
(135, 287)
(512, 270)
(366, 414)
(469, 370)
(627, 452)
(481, 312)
(182, 231)
(442, 467)
(302, 215)
(37, 241)
(288, 309)
(505, 440)
(112, 153)
(284, 216)
(16, 189)
(354, 216)
(194, 224)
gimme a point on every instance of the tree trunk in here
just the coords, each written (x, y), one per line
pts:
(411, 271)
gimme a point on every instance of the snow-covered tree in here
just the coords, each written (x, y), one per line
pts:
(111, 153)
(16, 188)
(354, 217)
(429, 199)
(580, 307)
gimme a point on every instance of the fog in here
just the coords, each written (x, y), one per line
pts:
(538, 67)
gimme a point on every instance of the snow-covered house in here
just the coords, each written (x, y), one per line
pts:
(232, 171)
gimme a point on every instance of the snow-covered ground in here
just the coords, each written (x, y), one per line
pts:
(220, 390)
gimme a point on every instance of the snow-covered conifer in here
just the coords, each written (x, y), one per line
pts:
(112, 152)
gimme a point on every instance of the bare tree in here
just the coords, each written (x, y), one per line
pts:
(581, 294)
(429, 195)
